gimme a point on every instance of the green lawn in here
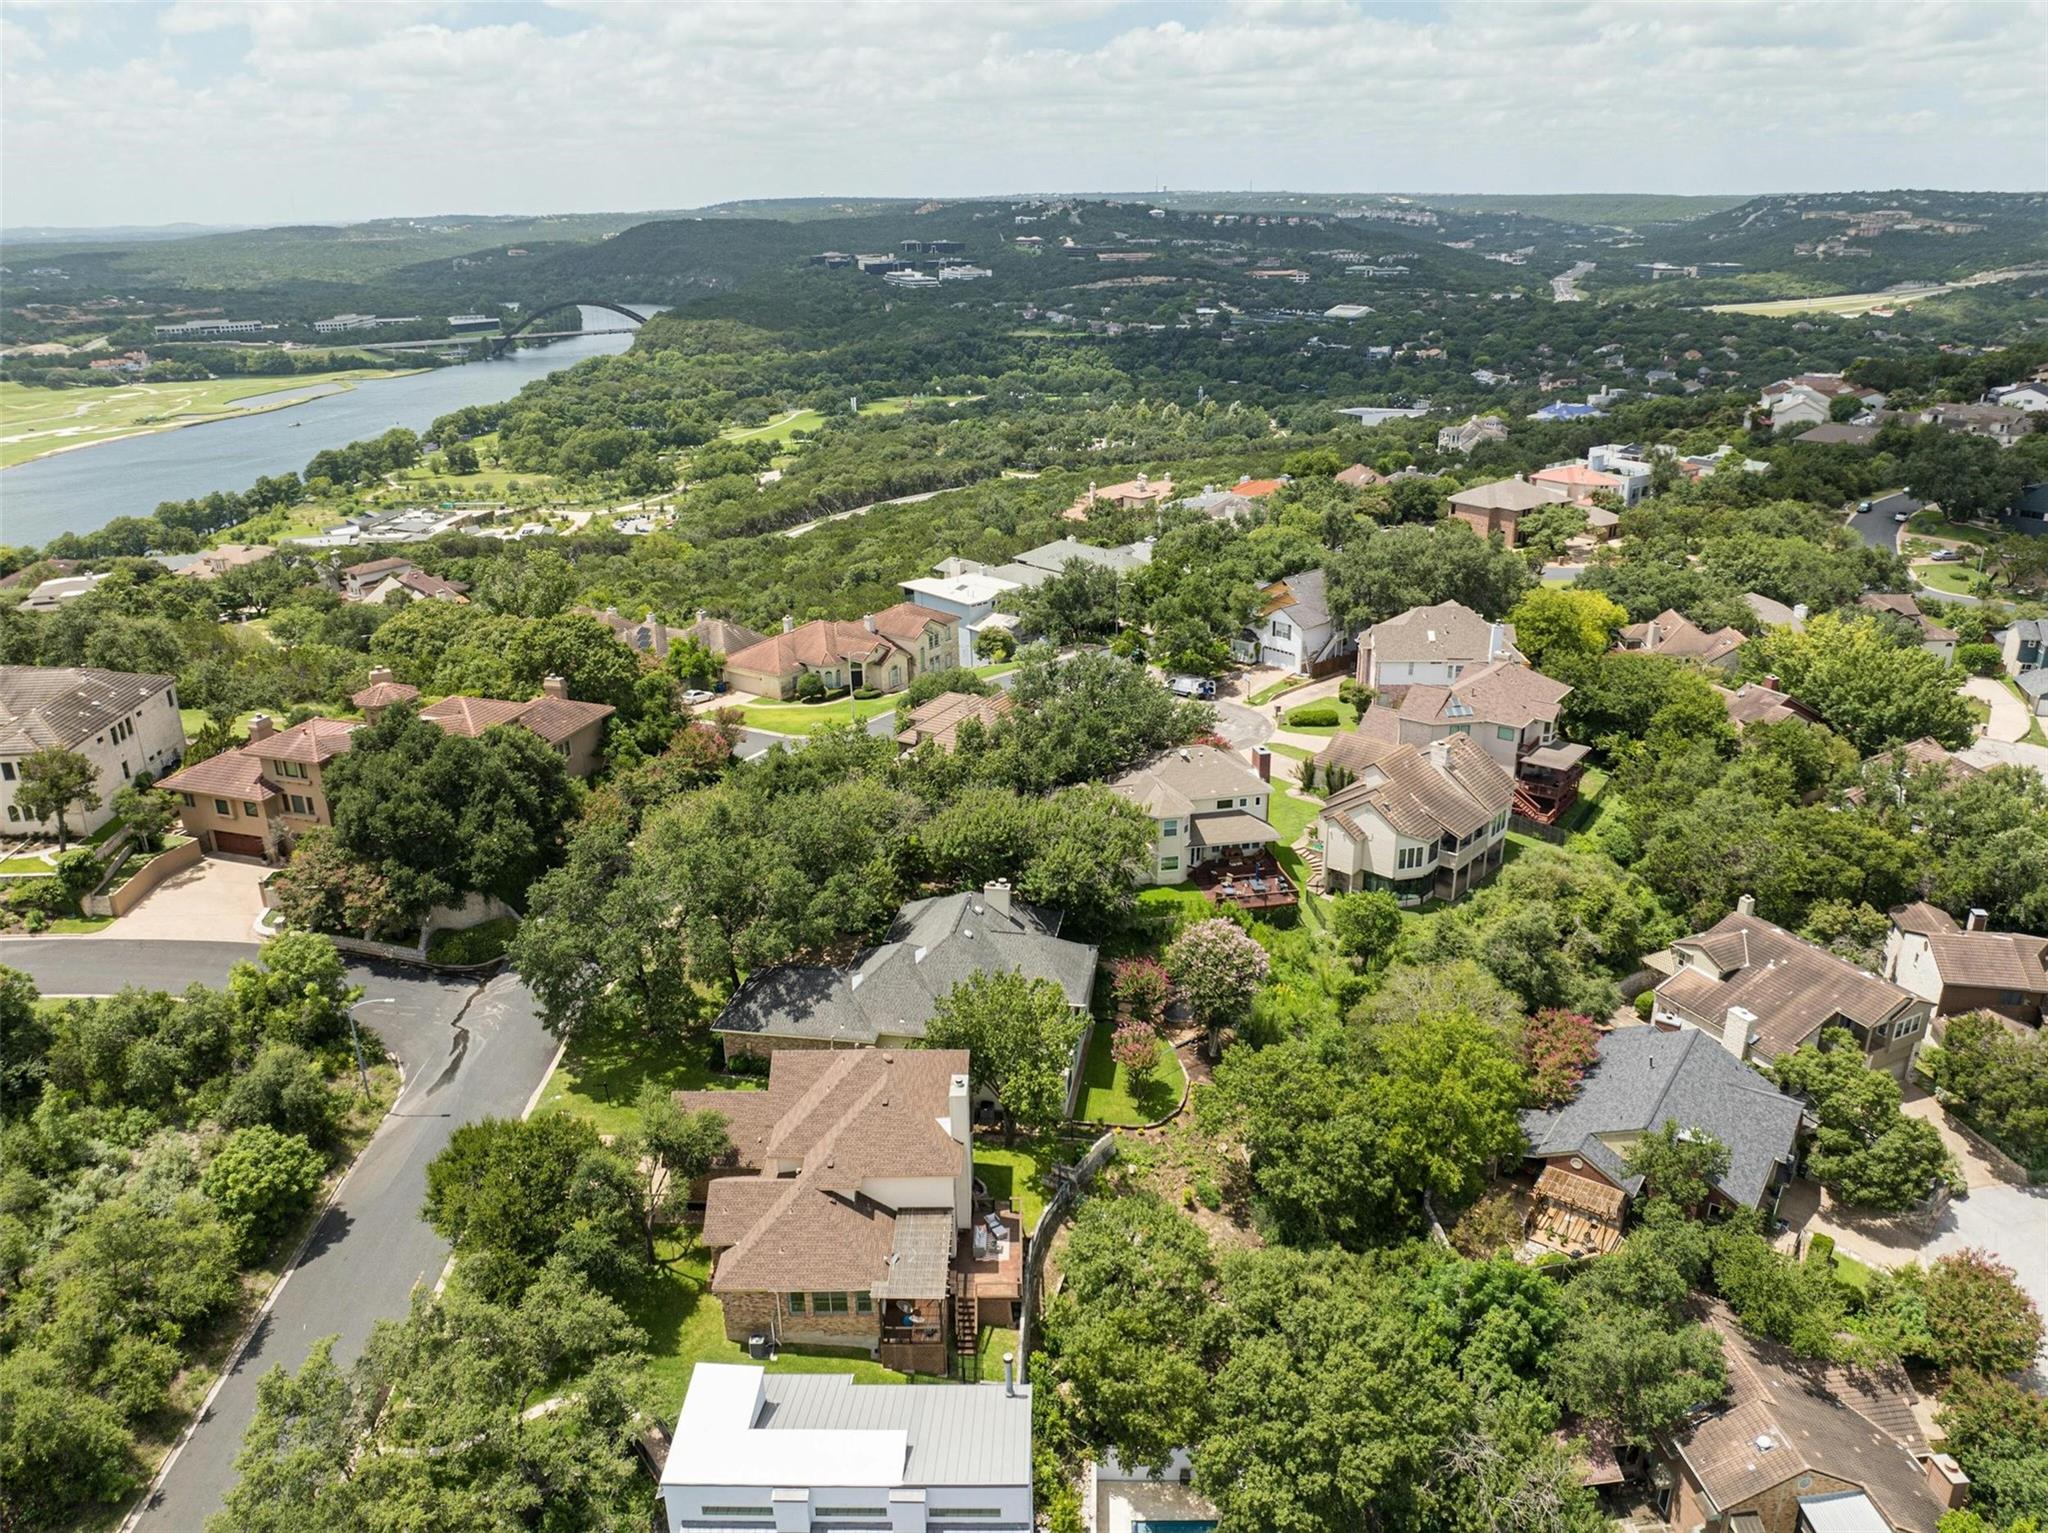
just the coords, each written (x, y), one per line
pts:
(605, 1068)
(193, 718)
(38, 421)
(802, 718)
(1284, 684)
(1347, 718)
(1293, 751)
(1290, 815)
(1020, 1176)
(1934, 525)
(685, 1326)
(34, 866)
(1956, 579)
(1107, 1095)
(995, 1341)
(2035, 734)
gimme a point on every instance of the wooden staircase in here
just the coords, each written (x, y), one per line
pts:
(966, 1317)
(1312, 859)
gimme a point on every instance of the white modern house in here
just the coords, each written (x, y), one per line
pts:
(123, 723)
(1294, 629)
(970, 596)
(816, 1453)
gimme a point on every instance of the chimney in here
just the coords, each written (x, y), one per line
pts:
(1736, 1028)
(1010, 1380)
(1746, 906)
(788, 622)
(701, 614)
(1439, 752)
(868, 622)
(995, 895)
(1262, 761)
(379, 674)
(553, 686)
(1770, 683)
(261, 728)
(1977, 920)
(1946, 1479)
(1799, 612)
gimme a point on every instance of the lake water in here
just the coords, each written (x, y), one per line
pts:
(90, 486)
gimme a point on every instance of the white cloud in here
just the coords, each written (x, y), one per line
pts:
(274, 111)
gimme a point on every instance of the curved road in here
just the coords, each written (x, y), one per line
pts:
(470, 1049)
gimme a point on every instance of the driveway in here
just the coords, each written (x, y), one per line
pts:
(217, 899)
(1990, 753)
(468, 1050)
(2008, 713)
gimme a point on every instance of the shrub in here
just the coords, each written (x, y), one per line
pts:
(1314, 716)
(1979, 659)
(1140, 985)
(865, 693)
(1351, 690)
(1136, 1048)
(78, 870)
(1558, 1047)
(810, 688)
(1645, 1004)
(473, 944)
(260, 1179)
(1980, 1318)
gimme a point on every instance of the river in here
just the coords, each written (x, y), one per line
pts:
(88, 487)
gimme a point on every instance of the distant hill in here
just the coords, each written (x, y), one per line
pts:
(1625, 210)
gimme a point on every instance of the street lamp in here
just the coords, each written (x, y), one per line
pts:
(356, 1040)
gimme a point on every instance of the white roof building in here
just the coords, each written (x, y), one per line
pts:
(798, 1452)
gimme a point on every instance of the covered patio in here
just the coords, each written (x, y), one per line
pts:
(1575, 1215)
(1547, 782)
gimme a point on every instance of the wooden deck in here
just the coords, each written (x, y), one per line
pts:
(1251, 883)
(992, 1277)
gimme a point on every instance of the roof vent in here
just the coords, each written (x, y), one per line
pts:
(918, 956)
(1764, 1443)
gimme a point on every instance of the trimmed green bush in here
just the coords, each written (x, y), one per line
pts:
(1314, 716)
(1979, 659)
(473, 944)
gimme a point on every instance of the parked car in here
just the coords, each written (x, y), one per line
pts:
(697, 697)
(1192, 686)
(1947, 556)
(1902, 516)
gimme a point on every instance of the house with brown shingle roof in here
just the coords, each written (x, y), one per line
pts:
(846, 1214)
(885, 650)
(1205, 805)
(1673, 634)
(1968, 967)
(414, 585)
(1433, 645)
(1765, 993)
(1427, 822)
(1938, 641)
(1760, 702)
(651, 636)
(358, 580)
(940, 718)
(1797, 1446)
(574, 729)
(1504, 707)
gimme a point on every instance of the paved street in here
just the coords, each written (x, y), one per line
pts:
(468, 1050)
(1877, 529)
(1991, 753)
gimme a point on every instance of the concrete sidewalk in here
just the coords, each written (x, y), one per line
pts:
(2008, 713)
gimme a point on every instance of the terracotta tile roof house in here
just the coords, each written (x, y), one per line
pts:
(1934, 638)
(650, 636)
(254, 800)
(807, 1445)
(857, 1180)
(1671, 633)
(1420, 823)
(888, 994)
(1498, 506)
(382, 692)
(1358, 476)
(1130, 495)
(1803, 1447)
(1643, 1079)
(1579, 483)
(1432, 645)
(885, 650)
(1205, 804)
(1967, 968)
(1764, 992)
(940, 718)
(123, 722)
(1762, 703)
(1258, 489)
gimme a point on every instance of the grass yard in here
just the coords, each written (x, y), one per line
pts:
(605, 1068)
(1290, 815)
(1285, 684)
(685, 1326)
(1934, 525)
(783, 428)
(995, 1341)
(802, 718)
(35, 422)
(1108, 1095)
(2034, 735)
(1956, 579)
(1347, 718)
(1020, 1175)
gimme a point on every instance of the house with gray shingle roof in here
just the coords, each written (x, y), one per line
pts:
(885, 998)
(1645, 1078)
(1294, 629)
(1432, 646)
(124, 723)
(1765, 993)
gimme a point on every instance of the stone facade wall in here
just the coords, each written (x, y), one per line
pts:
(758, 1046)
(767, 1314)
(748, 1314)
(1779, 1506)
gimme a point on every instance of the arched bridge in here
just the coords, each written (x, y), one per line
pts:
(525, 328)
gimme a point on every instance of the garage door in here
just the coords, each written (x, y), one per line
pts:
(237, 845)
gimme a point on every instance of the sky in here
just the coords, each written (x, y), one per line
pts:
(300, 112)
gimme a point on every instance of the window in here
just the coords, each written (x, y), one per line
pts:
(1169, 827)
(289, 768)
(13, 815)
(940, 1513)
(7, 771)
(1168, 864)
(250, 811)
(1905, 1027)
(220, 807)
(190, 801)
(822, 1512)
(1281, 630)
(301, 805)
(863, 1304)
(1461, 729)
(1411, 856)
(739, 1511)
(829, 1304)
(796, 1304)
(1503, 731)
